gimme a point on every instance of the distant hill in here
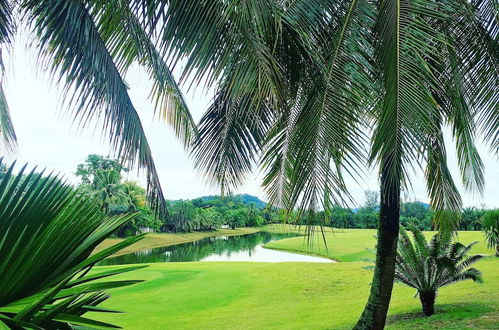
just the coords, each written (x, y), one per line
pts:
(245, 199)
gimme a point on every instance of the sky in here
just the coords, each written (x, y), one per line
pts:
(48, 139)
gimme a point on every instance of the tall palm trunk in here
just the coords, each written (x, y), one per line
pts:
(374, 315)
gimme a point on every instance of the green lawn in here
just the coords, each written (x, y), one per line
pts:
(247, 295)
(353, 244)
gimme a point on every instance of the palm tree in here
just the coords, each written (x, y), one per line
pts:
(299, 85)
(134, 195)
(108, 189)
(89, 46)
(490, 223)
(427, 267)
(47, 232)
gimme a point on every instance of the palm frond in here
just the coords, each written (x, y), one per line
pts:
(444, 195)
(473, 34)
(8, 139)
(327, 135)
(71, 46)
(406, 43)
(129, 42)
(227, 42)
(229, 138)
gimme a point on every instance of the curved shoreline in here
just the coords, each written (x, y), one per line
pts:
(301, 252)
(156, 240)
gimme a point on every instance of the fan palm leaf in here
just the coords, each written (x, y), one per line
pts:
(48, 231)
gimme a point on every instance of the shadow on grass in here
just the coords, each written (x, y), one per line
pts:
(448, 316)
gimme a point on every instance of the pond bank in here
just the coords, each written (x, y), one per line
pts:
(155, 240)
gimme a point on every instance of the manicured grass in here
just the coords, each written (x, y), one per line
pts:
(231, 295)
(153, 240)
(246, 295)
(353, 244)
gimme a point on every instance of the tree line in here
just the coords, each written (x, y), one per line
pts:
(104, 180)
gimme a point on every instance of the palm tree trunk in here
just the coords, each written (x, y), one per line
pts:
(427, 302)
(374, 315)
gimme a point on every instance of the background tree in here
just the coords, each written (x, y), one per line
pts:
(181, 215)
(107, 189)
(490, 223)
(96, 163)
(471, 218)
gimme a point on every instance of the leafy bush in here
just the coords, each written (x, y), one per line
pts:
(427, 267)
(47, 233)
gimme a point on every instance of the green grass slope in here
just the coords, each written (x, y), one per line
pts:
(246, 295)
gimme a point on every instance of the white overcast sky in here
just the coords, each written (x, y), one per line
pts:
(47, 139)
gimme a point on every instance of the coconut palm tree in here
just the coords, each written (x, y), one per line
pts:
(490, 223)
(108, 189)
(311, 89)
(428, 266)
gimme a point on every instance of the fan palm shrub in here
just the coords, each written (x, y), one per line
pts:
(490, 224)
(428, 266)
(47, 233)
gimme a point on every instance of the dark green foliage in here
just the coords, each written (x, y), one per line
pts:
(47, 232)
(428, 266)
(212, 212)
(416, 213)
(490, 223)
(95, 164)
(471, 218)
(102, 181)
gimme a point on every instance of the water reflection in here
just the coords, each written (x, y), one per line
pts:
(221, 248)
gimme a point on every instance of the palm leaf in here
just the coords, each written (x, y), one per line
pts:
(129, 42)
(8, 139)
(79, 56)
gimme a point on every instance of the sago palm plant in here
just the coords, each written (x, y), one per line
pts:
(428, 266)
(47, 233)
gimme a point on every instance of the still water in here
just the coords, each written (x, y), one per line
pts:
(222, 248)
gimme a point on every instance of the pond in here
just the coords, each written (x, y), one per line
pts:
(222, 248)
